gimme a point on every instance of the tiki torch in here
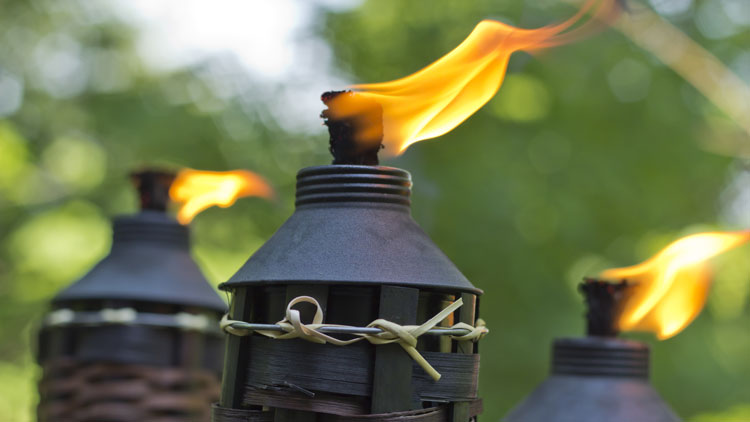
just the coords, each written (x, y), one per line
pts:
(349, 312)
(137, 337)
(601, 377)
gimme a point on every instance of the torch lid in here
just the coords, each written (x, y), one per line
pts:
(352, 226)
(150, 261)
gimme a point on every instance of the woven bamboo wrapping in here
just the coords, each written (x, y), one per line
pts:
(73, 391)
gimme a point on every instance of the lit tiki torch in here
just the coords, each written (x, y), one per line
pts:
(136, 338)
(350, 312)
(603, 378)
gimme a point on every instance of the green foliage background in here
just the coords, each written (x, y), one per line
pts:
(573, 167)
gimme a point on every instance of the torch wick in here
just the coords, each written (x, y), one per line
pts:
(153, 188)
(604, 305)
(355, 127)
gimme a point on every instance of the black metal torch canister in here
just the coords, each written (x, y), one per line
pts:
(137, 338)
(353, 247)
(598, 377)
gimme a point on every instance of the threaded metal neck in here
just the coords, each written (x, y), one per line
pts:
(600, 356)
(353, 183)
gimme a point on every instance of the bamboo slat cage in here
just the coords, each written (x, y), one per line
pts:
(352, 246)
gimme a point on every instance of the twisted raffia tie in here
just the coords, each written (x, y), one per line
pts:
(404, 335)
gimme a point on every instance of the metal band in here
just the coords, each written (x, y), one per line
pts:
(433, 414)
(305, 366)
(132, 344)
(223, 414)
(129, 316)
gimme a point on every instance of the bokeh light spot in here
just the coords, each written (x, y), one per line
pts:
(16, 390)
(76, 162)
(712, 20)
(14, 159)
(671, 7)
(737, 10)
(522, 98)
(61, 70)
(11, 94)
(629, 80)
(60, 244)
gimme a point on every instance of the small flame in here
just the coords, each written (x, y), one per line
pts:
(198, 190)
(441, 96)
(670, 289)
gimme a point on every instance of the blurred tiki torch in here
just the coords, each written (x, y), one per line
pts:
(137, 337)
(601, 377)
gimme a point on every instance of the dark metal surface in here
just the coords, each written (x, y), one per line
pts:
(597, 356)
(352, 226)
(595, 379)
(150, 262)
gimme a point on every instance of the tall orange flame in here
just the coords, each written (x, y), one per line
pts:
(198, 190)
(441, 96)
(670, 289)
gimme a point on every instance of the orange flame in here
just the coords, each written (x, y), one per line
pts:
(671, 288)
(198, 190)
(441, 96)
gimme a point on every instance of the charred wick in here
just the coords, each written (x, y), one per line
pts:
(603, 303)
(344, 146)
(153, 188)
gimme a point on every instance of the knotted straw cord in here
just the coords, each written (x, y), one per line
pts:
(405, 335)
